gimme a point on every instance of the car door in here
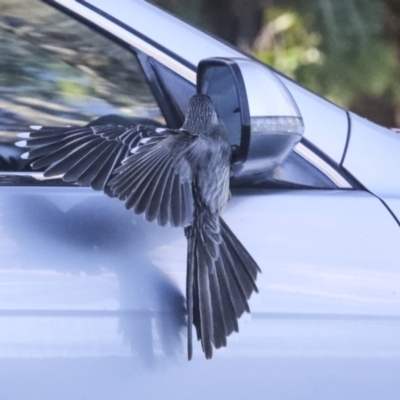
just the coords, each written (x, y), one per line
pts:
(91, 301)
(68, 250)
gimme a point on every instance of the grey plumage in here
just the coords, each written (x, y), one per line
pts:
(180, 177)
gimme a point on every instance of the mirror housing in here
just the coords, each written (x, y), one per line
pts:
(262, 119)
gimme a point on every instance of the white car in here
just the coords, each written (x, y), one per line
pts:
(91, 295)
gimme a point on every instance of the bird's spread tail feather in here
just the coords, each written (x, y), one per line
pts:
(217, 290)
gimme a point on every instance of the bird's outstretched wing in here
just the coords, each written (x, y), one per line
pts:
(155, 179)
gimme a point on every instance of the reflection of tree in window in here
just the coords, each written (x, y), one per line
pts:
(56, 71)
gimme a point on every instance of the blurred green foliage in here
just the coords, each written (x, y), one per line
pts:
(336, 48)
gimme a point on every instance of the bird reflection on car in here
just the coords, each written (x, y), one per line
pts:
(92, 236)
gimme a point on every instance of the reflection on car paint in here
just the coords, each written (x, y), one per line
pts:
(80, 259)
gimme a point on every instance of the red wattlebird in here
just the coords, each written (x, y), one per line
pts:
(180, 177)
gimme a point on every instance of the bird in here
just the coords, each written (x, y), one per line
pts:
(177, 177)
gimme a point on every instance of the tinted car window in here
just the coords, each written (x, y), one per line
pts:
(56, 71)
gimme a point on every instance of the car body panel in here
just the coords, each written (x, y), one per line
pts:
(244, 378)
(373, 157)
(393, 202)
(76, 229)
(326, 125)
(91, 301)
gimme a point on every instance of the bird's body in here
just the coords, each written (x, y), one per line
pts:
(180, 177)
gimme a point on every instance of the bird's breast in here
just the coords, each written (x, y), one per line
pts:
(213, 175)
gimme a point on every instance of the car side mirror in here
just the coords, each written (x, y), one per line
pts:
(261, 117)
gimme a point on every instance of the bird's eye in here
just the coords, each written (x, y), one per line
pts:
(234, 153)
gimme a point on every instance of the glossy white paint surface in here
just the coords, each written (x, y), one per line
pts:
(325, 124)
(326, 323)
(321, 251)
(373, 157)
(393, 202)
(244, 378)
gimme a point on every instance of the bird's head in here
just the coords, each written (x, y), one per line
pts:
(201, 117)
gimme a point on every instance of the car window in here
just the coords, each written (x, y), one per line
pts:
(56, 71)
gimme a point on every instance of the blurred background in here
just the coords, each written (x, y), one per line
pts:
(346, 50)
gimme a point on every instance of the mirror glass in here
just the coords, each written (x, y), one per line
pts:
(218, 82)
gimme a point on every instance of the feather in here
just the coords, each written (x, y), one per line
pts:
(106, 171)
(58, 154)
(217, 295)
(79, 161)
